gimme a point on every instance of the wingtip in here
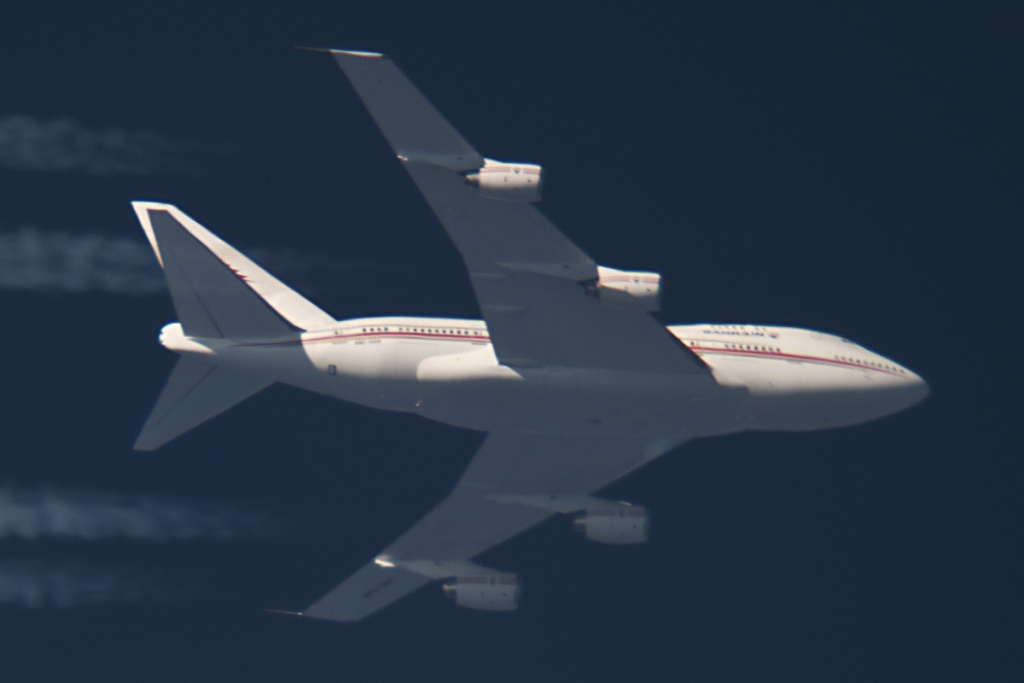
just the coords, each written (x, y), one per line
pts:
(284, 612)
(348, 53)
(140, 446)
(359, 54)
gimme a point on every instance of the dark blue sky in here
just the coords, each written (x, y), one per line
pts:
(853, 169)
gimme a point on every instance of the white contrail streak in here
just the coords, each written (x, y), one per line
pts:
(67, 514)
(37, 260)
(37, 584)
(62, 144)
(32, 259)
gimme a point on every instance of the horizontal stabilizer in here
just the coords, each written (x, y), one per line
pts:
(196, 391)
(217, 291)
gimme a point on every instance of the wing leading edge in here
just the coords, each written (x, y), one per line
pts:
(531, 282)
(533, 286)
(501, 494)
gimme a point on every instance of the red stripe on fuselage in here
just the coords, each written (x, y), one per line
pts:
(794, 357)
(485, 339)
(479, 339)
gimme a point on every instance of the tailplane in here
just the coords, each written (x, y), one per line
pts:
(196, 391)
(218, 293)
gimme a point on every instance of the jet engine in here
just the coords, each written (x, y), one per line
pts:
(495, 592)
(620, 524)
(507, 180)
(628, 289)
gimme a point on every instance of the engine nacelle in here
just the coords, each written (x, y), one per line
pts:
(506, 180)
(493, 592)
(619, 524)
(629, 289)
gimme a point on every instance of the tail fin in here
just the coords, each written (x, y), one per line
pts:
(196, 391)
(217, 291)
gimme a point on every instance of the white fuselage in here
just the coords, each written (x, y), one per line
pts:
(763, 378)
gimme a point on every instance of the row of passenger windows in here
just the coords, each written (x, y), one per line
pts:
(871, 364)
(425, 330)
(735, 330)
(743, 347)
(752, 347)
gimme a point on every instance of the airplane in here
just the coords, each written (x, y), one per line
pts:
(574, 381)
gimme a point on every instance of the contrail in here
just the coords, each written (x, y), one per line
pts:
(62, 145)
(32, 259)
(67, 514)
(37, 260)
(38, 584)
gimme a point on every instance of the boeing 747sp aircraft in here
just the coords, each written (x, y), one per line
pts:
(574, 381)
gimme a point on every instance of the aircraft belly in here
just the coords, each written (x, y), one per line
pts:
(286, 364)
(369, 374)
(579, 401)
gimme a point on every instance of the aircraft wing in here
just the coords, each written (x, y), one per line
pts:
(530, 280)
(504, 491)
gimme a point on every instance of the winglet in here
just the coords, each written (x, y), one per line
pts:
(283, 611)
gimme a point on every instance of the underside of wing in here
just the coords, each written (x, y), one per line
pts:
(537, 291)
(544, 300)
(412, 126)
(515, 482)
(370, 589)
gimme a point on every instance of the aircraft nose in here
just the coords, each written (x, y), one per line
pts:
(920, 386)
(909, 389)
(919, 389)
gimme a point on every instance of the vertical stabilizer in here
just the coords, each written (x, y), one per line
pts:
(217, 291)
